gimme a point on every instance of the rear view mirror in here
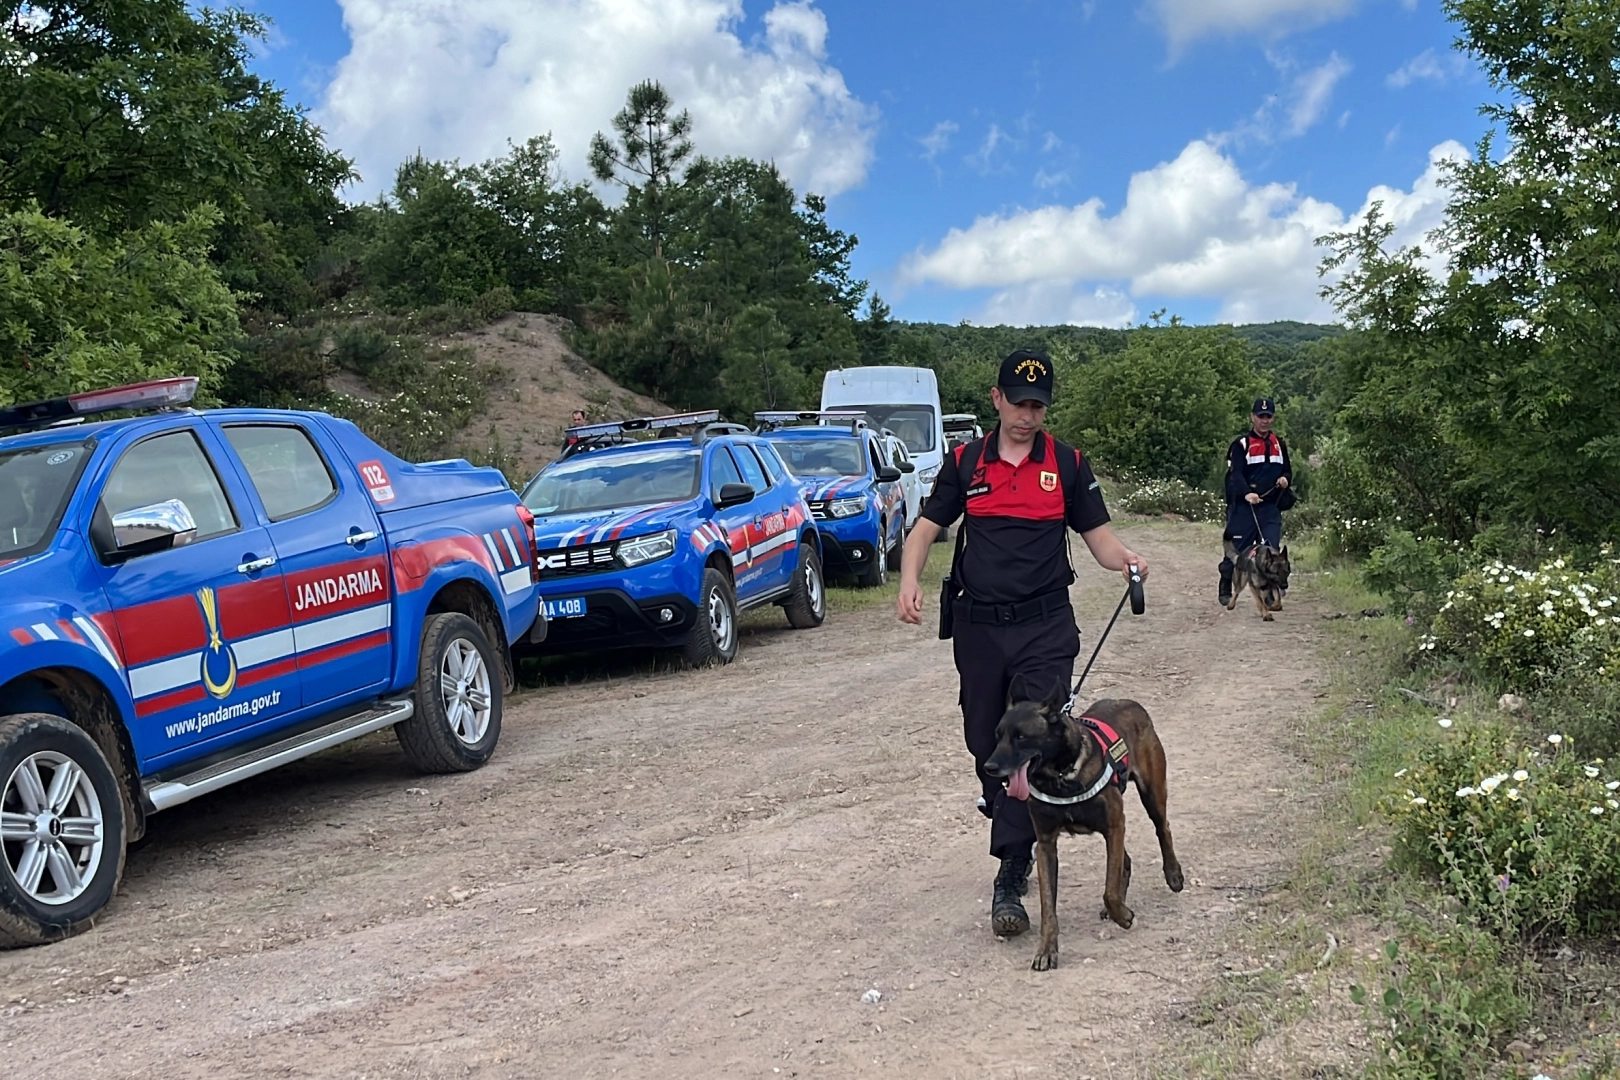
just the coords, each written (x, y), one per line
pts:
(888, 474)
(733, 495)
(156, 527)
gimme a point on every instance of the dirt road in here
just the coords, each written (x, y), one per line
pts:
(692, 875)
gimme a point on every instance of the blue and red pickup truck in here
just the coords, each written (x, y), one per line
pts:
(190, 598)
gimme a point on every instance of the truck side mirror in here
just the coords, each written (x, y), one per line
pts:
(143, 530)
(888, 474)
(733, 495)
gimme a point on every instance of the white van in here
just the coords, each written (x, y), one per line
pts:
(903, 399)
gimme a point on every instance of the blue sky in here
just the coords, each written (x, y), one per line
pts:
(1022, 161)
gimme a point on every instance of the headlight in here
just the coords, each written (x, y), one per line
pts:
(927, 475)
(644, 549)
(842, 508)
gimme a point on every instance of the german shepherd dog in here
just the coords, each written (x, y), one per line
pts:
(1264, 570)
(1043, 751)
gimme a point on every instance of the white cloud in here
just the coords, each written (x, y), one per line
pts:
(1296, 108)
(458, 78)
(1192, 228)
(1427, 65)
(1187, 20)
(1050, 143)
(985, 155)
(1311, 93)
(1047, 181)
(938, 141)
(1050, 303)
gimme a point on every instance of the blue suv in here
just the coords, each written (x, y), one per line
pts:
(662, 542)
(852, 490)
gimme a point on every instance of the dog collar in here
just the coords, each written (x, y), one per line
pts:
(1091, 793)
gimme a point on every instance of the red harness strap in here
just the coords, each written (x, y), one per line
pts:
(1114, 748)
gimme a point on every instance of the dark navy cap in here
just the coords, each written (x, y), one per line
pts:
(1264, 407)
(1026, 375)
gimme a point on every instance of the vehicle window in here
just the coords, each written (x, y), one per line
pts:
(773, 470)
(913, 423)
(34, 487)
(822, 457)
(773, 461)
(723, 470)
(287, 471)
(172, 466)
(880, 457)
(610, 480)
(897, 452)
(752, 474)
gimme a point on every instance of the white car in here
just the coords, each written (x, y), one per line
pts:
(911, 485)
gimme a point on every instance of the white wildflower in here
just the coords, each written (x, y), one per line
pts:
(1444, 721)
(1521, 776)
(1590, 771)
(1555, 739)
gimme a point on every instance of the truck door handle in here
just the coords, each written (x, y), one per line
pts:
(256, 565)
(358, 538)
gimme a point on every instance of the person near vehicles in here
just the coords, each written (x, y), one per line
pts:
(1018, 491)
(574, 421)
(1258, 475)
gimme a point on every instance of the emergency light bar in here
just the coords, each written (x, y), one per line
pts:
(156, 394)
(780, 417)
(645, 423)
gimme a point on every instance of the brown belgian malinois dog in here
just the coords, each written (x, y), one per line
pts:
(1072, 774)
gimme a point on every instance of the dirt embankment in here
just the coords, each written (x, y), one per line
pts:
(542, 381)
(695, 875)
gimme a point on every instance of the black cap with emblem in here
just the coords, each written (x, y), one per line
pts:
(1026, 375)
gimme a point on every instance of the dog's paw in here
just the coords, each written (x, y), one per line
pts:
(1045, 961)
(1267, 618)
(1123, 916)
(1172, 877)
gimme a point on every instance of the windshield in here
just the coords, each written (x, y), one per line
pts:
(839, 456)
(34, 487)
(610, 481)
(913, 423)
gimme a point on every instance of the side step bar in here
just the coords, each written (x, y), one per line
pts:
(184, 789)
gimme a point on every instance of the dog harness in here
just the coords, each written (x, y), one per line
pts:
(1116, 765)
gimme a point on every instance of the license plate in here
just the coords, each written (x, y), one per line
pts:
(567, 608)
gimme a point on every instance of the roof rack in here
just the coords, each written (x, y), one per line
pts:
(710, 431)
(614, 432)
(136, 397)
(780, 418)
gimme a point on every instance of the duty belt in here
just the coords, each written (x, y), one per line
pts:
(1040, 607)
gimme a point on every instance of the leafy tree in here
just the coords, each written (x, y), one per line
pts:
(652, 146)
(759, 371)
(78, 312)
(876, 332)
(1509, 358)
(1166, 405)
(120, 113)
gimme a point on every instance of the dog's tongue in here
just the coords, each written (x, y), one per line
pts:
(1018, 783)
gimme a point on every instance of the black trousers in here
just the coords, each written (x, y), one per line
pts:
(987, 657)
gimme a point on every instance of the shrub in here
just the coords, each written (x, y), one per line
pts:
(1526, 837)
(1135, 494)
(418, 422)
(1522, 627)
(1446, 998)
(1415, 571)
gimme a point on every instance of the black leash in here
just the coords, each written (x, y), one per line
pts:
(1138, 598)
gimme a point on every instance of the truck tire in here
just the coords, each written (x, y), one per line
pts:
(806, 604)
(61, 830)
(713, 639)
(458, 698)
(876, 575)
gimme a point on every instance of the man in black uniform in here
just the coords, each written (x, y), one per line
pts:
(1021, 491)
(1258, 473)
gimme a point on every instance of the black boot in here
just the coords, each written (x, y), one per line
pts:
(1007, 915)
(1226, 587)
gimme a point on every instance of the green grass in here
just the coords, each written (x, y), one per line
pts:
(1439, 998)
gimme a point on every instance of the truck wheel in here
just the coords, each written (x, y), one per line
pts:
(807, 597)
(714, 636)
(458, 698)
(876, 575)
(61, 830)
